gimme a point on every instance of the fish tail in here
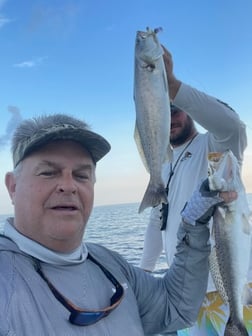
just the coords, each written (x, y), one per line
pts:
(235, 328)
(154, 195)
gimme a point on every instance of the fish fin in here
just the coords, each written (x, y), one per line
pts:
(154, 195)
(140, 148)
(235, 328)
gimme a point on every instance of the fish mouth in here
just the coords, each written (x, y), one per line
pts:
(144, 34)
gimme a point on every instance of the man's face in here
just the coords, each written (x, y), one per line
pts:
(182, 128)
(53, 194)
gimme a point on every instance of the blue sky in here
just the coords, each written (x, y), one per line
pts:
(77, 57)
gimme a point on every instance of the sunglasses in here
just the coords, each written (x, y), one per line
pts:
(80, 316)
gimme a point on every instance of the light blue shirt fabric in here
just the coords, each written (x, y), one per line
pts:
(150, 305)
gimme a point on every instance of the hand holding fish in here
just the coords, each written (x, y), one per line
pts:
(200, 208)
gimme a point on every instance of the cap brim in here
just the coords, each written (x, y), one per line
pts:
(94, 143)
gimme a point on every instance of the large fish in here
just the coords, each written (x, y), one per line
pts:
(229, 260)
(152, 104)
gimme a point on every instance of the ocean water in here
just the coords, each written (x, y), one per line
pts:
(120, 228)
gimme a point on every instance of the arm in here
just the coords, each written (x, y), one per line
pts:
(171, 303)
(175, 302)
(226, 130)
(153, 244)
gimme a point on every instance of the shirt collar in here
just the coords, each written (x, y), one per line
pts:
(41, 252)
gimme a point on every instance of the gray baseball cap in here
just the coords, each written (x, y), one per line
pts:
(32, 134)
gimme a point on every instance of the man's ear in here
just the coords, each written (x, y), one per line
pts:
(10, 182)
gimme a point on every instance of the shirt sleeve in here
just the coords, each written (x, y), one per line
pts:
(173, 302)
(226, 130)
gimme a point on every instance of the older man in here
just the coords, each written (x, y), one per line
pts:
(53, 283)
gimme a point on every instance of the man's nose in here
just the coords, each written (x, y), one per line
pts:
(66, 184)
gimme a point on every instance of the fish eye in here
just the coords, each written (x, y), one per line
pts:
(150, 67)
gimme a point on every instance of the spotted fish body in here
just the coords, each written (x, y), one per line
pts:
(152, 104)
(229, 260)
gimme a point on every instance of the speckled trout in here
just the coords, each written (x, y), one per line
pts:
(152, 104)
(229, 260)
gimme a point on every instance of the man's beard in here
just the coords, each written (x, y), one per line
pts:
(184, 135)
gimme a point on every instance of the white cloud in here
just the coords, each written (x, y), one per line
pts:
(30, 64)
(15, 119)
(26, 64)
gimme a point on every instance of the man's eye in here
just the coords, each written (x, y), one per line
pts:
(47, 173)
(82, 176)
